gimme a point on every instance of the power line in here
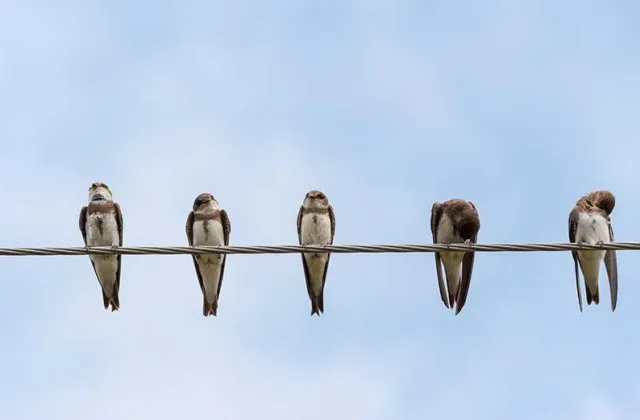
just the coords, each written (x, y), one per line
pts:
(296, 249)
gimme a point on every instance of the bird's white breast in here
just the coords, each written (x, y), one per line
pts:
(591, 228)
(108, 235)
(208, 233)
(446, 232)
(315, 229)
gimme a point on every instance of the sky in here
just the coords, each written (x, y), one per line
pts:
(386, 106)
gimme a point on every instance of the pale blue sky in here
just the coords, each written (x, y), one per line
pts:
(386, 106)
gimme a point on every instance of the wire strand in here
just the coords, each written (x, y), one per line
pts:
(296, 249)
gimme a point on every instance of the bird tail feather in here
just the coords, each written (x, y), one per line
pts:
(210, 308)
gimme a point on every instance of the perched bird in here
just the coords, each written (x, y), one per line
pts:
(454, 221)
(208, 225)
(101, 225)
(316, 226)
(590, 223)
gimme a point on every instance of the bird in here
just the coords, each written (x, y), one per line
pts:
(590, 223)
(316, 226)
(101, 225)
(208, 225)
(454, 221)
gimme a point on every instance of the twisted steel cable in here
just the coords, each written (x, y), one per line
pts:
(295, 249)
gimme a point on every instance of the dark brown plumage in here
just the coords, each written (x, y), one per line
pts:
(209, 308)
(317, 301)
(599, 202)
(105, 207)
(454, 221)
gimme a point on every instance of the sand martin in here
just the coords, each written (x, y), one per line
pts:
(590, 223)
(316, 226)
(208, 225)
(454, 221)
(101, 225)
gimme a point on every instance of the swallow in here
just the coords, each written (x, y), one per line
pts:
(316, 226)
(590, 223)
(454, 221)
(208, 225)
(101, 225)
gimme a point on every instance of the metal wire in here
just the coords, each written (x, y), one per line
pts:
(296, 249)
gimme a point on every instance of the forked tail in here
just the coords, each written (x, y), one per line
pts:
(317, 304)
(593, 297)
(210, 308)
(113, 301)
